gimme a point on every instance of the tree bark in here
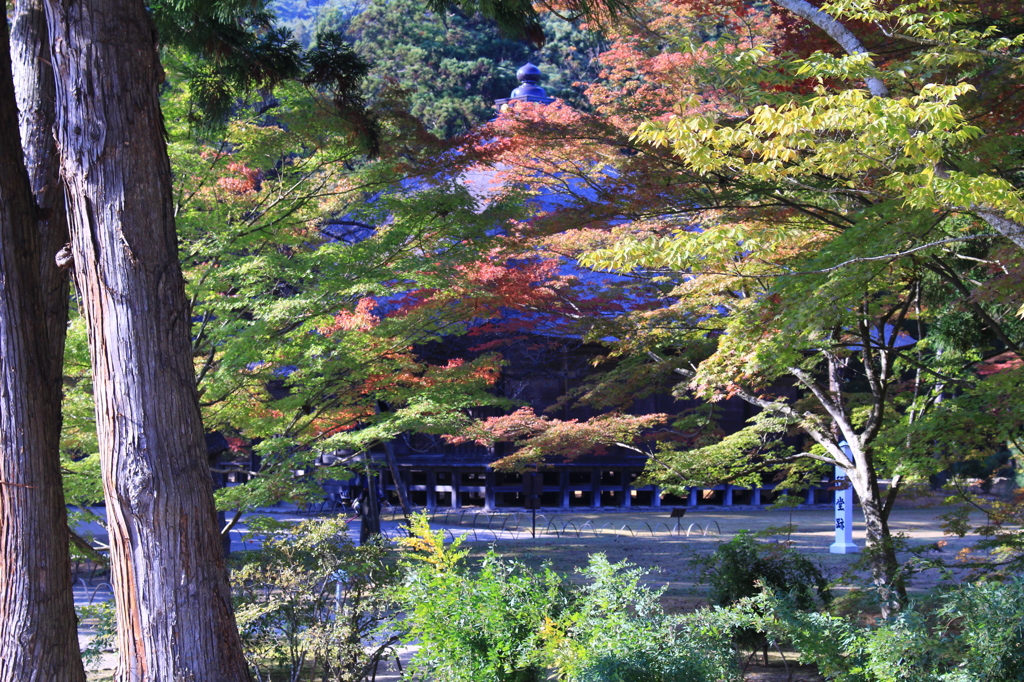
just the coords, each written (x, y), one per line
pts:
(396, 476)
(369, 509)
(34, 87)
(175, 620)
(837, 32)
(38, 638)
(885, 575)
(861, 472)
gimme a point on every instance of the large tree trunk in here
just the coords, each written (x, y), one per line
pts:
(38, 639)
(34, 87)
(175, 620)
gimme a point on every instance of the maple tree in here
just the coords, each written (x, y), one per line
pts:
(123, 225)
(315, 278)
(815, 216)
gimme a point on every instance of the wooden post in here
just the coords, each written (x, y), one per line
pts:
(489, 495)
(431, 489)
(396, 476)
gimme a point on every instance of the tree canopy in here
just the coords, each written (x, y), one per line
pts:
(817, 213)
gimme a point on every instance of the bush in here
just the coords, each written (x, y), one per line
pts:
(482, 626)
(741, 567)
(507, 623)
(101, 618)
(975, 635)
(617, 631)
(309, 599)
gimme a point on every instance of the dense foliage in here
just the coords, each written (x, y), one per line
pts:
(504, 621)
(974, 632)
(744, 566)
(476, 626)
(815, 210)
(446, 68)
(835, 235)
(309, 599)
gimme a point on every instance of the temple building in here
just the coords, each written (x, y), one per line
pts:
(439, 475)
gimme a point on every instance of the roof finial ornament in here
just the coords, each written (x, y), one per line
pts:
(530, 90)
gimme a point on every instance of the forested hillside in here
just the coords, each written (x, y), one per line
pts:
(447, 70)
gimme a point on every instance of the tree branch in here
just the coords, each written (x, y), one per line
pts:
(1010, 229)
(879, 380)
(835, 411)
(952, 46)
(839, 457)
(890, 496)
(943, 270)
(839, 33)
(231, 524)
(87, 549)
(654, 458)
(851, 261)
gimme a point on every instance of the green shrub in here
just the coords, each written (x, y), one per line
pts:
(976, 634)
(475, 626)
(101, 618)
(504, 622)
(985, 622)
(616, 631)
(740, 567)
(310, 601)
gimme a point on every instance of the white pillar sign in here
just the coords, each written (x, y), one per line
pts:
(843, 510)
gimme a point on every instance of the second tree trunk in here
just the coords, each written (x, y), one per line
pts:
(175, 620)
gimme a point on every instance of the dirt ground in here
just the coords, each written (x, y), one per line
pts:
(651, 540)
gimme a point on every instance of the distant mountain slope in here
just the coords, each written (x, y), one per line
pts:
(302, 16)
(449, 70)
(291, 10)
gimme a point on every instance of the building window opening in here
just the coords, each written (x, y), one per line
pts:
(712, 496)
(503, 478)
(742, 496)
(642, 498)
(670, 500)
(579, 478)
